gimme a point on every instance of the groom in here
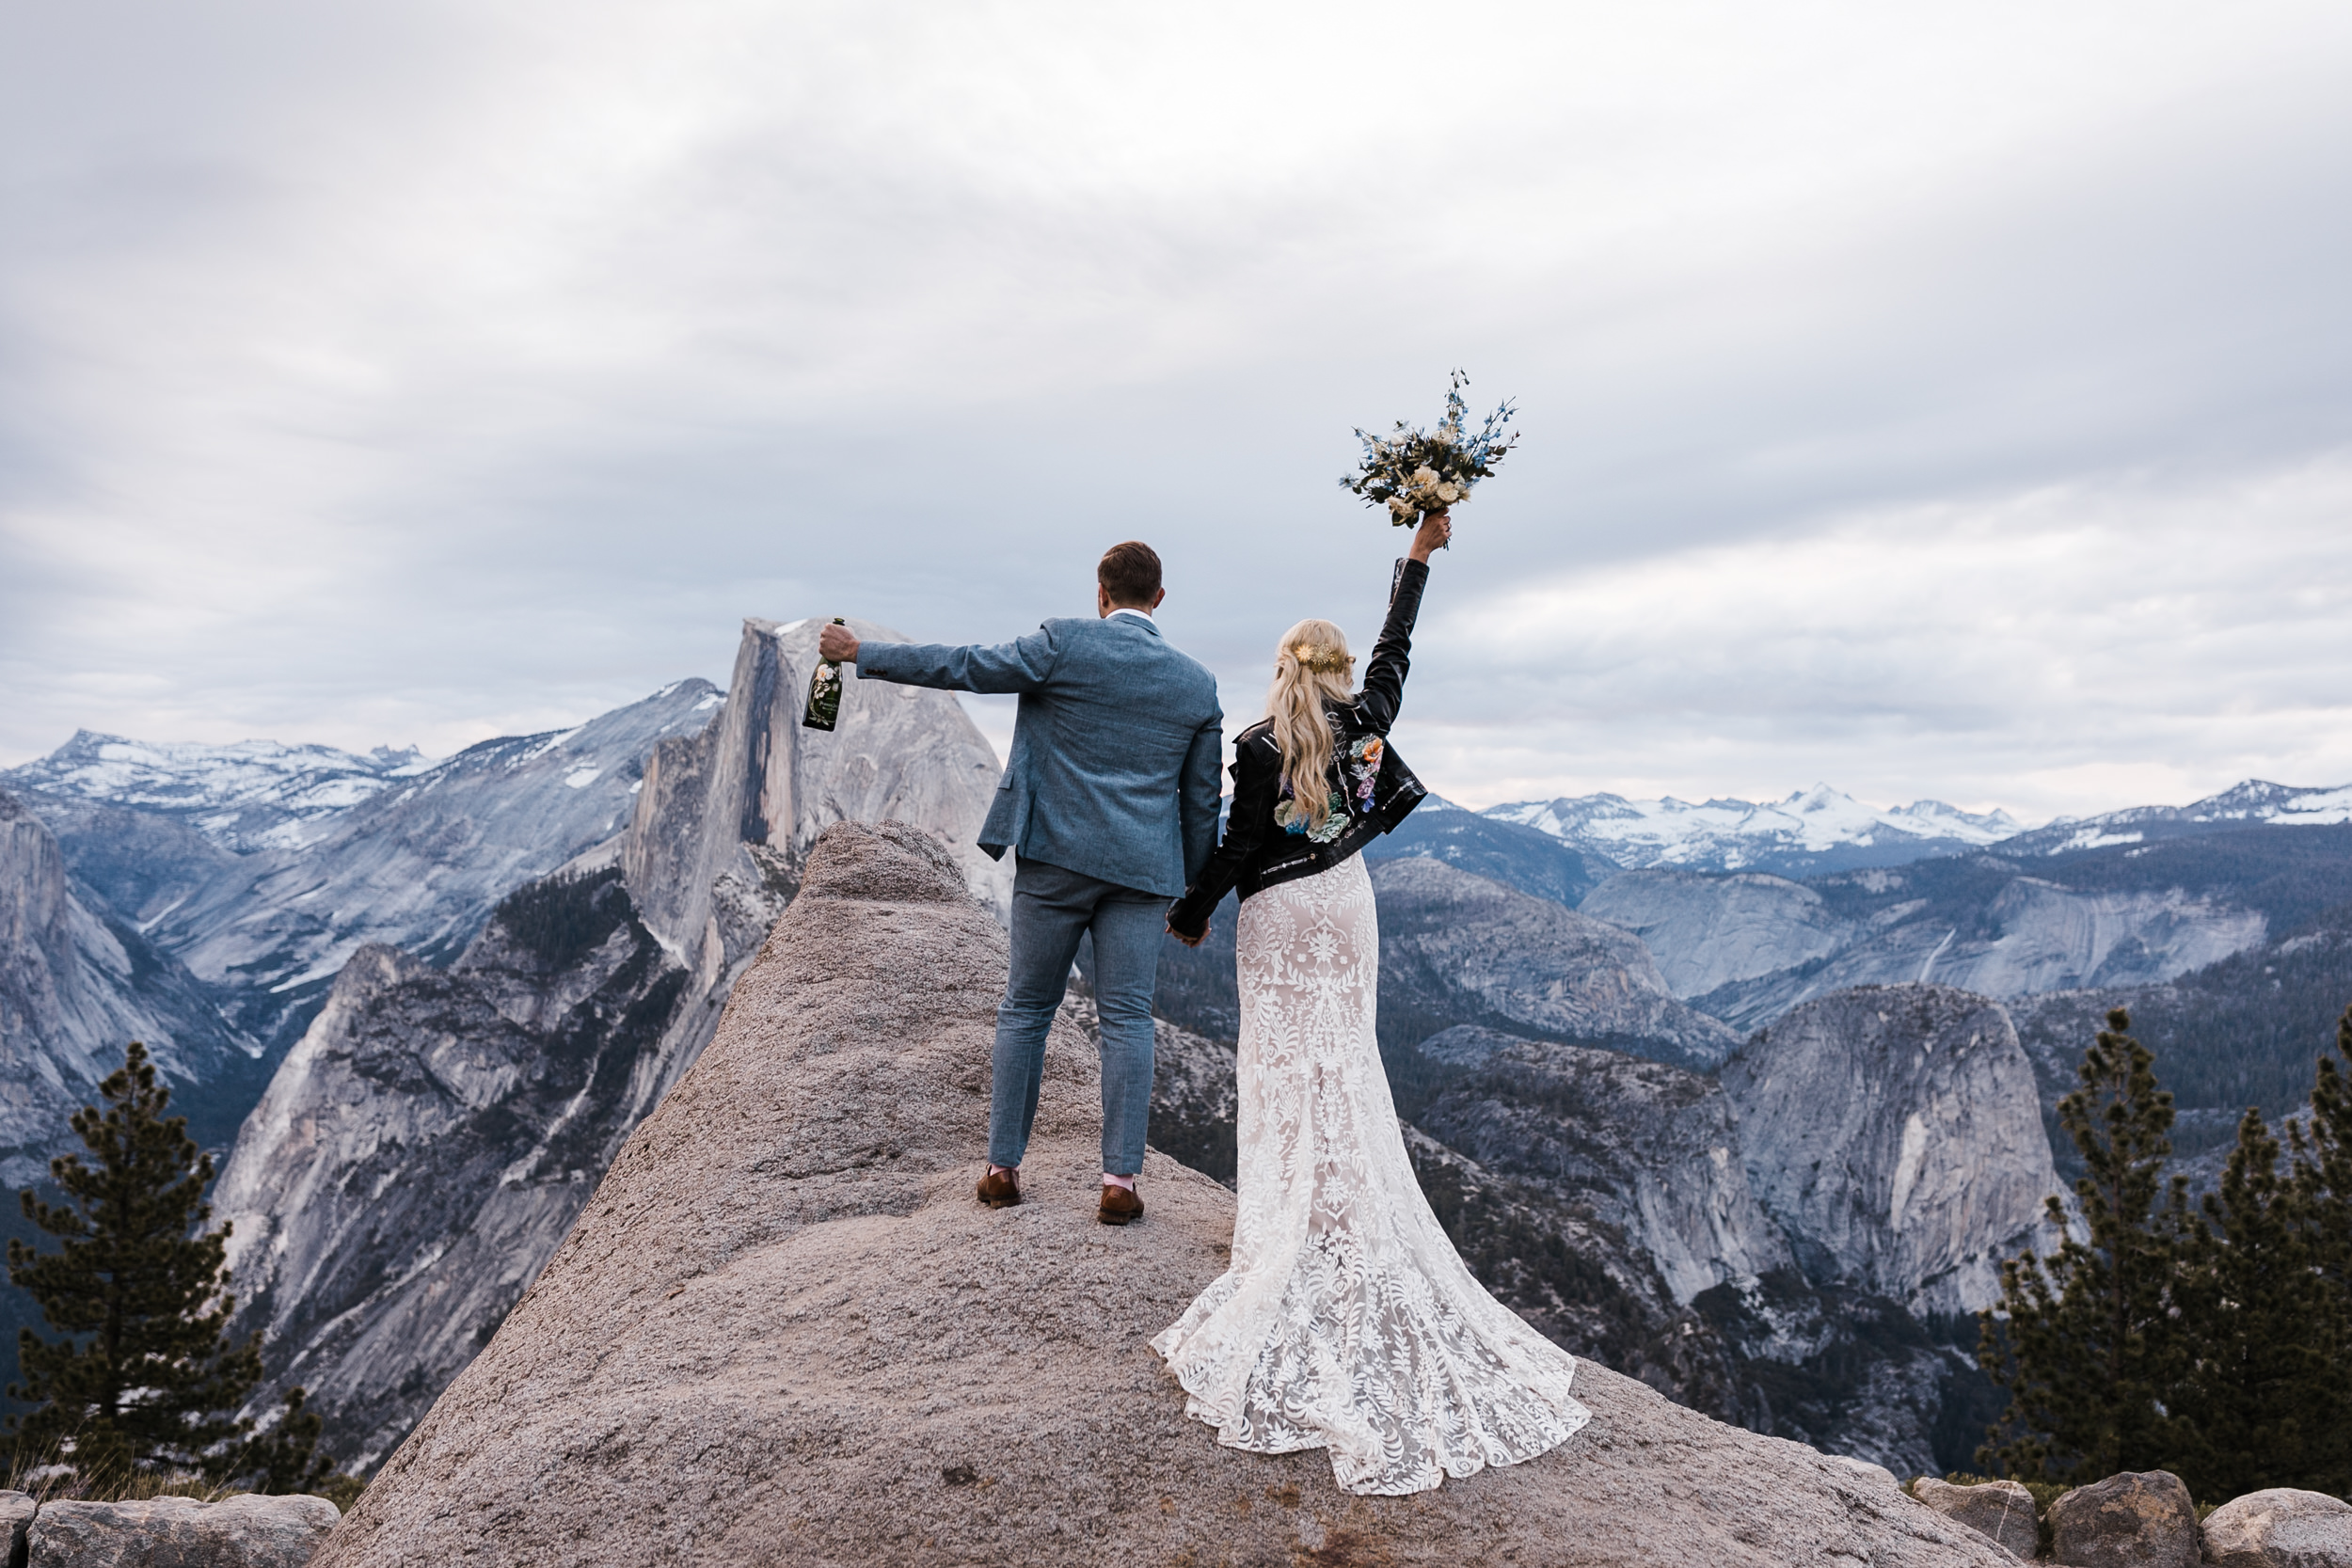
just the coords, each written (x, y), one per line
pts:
(1108, 803)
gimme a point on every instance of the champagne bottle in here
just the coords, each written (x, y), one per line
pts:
(825, 694)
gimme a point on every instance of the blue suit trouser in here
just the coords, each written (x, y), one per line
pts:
(1053, 908)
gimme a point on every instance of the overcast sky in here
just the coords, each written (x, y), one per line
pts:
(1937, 402)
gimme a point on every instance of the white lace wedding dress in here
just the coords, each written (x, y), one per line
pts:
(1347, 1320)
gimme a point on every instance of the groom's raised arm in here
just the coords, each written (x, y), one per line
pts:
(1018, 666)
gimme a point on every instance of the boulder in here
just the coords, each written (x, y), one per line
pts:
(2281, 1528)
(2002, 1510)
(251, 1531)
(16, 1512)
(2139, 1519)
(783, 1331)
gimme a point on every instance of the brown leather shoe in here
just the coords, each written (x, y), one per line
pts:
(1119, 1206)
(1000, 1189)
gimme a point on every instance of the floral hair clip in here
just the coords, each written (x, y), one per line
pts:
(1324, 661)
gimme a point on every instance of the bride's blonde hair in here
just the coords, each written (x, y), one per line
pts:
(1312, 667)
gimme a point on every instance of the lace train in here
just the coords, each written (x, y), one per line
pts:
(1347, 1320)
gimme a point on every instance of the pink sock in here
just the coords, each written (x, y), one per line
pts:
(1126, 1181)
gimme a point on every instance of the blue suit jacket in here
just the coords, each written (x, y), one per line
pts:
(1115, 752)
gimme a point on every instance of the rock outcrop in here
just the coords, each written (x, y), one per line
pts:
(2281, 1528)
(1456, 948)
(1895, 1135)
(248, 1531)
(425, 1147)
(783, 1331)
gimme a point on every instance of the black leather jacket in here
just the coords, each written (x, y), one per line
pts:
(1366, 773)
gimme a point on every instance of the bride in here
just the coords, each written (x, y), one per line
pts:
(1347, 1320)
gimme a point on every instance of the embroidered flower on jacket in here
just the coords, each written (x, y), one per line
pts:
(1291, 817)
(1364, 763)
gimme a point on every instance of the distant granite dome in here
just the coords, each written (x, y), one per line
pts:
(783, 1331)
(1895, 1135)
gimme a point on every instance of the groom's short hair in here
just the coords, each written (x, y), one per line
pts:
(1130, 572)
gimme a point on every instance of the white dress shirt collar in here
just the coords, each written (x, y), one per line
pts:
(1132, 609)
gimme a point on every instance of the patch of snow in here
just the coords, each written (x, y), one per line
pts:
(2094, 838)
(550, 744)
(580, 778)
(711, 701)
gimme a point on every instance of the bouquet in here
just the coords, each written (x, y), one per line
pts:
(1411, 472)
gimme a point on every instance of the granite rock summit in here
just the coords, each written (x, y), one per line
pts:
(782, 1330)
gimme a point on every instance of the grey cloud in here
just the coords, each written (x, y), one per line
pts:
(413, 375)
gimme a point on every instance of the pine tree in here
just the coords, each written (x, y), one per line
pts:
(2322, 1177)
(143, 1375)
(286, 1458)
(2253, 1400)
(2084, 1341)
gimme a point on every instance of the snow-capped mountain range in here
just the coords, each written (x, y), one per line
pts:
(1822, 828)
(2247, 804)
(246, 796)
(1812, 830)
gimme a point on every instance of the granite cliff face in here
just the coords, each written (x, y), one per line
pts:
(1616, 1203)
(1650, 1150)
(1706, 932)
(1456, 948)
(753, 781)
(1747, 948)
(428, 1142)
(783, 1304)
(77, 983)
(1894, 1132)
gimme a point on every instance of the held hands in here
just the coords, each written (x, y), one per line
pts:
(1189, 942)
(1436, 531)
(838, 644)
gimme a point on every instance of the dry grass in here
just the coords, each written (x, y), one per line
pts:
(59, 1483)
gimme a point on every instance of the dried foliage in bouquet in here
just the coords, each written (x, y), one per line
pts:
(1411, 472)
